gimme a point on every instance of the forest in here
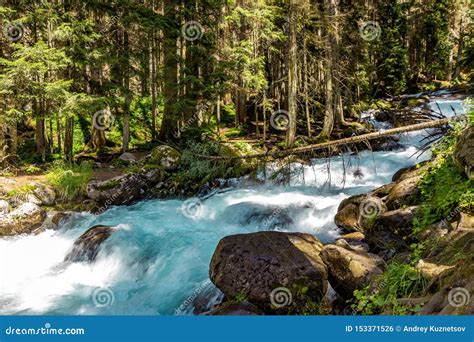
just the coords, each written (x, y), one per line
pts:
(342, 126)
(190, 70)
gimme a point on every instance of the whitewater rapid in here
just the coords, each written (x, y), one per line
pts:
(157, 261)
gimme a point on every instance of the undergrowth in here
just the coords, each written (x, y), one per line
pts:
(398, 281)
(69, 179)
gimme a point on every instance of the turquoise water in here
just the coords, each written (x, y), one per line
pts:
(157, 261)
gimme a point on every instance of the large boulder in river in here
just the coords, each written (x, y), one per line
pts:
(23, 220)
(464, 154)
(350, 269)
(165, 156)
(270, 269)
(87, 246)
(119, 190)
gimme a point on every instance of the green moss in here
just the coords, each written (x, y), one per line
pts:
(109, 185)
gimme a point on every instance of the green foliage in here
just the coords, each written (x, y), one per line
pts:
(398, 281)
(445, 190)
(69, 179)
(21, 191)
(202, 170)
(32, 169)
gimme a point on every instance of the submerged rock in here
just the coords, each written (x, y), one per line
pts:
(350, 269)
(23, 220)
(87, 246)
(267, 217)
(256, 265)
(60, 217)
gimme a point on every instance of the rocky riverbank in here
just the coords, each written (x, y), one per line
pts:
(398, 255)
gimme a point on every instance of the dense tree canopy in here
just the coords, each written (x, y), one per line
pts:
(91, 75)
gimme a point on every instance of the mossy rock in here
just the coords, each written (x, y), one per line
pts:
(165, 156)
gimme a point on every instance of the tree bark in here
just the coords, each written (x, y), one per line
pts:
(292, 74)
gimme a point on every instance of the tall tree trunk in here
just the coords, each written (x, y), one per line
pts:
(69, 138)
(126, 78)
(169, 123)
(153, 84)
(292, 74)
(306, 95)
(40, 129)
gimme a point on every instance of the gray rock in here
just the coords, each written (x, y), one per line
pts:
(398, 221)
(23, 220)
(165, 156)
(464, 154)
(406, 192)
(350, 270)
(264, 265)
(4, 207)
(121, 190)
(45, 194)
(30, 198)
(128, 157)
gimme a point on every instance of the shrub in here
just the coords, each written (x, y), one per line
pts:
(69, 179)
